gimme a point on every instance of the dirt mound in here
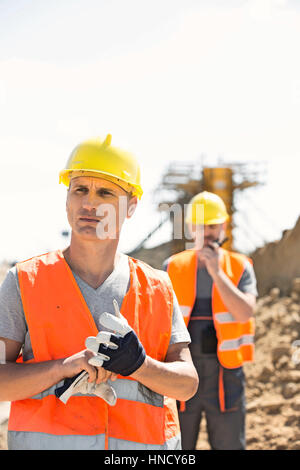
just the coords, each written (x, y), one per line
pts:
(278, 263)
(273, 380)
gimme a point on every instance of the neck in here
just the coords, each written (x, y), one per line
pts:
(92, 261)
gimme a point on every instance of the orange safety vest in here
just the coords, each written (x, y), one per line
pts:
(235, 339)
(59, 321)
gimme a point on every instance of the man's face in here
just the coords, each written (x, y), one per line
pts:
(213, 232)
(97, 208)
(205, 234)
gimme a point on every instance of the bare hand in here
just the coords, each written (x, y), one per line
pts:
(78, 362)
(210, 256)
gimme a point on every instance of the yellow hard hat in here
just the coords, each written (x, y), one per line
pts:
(98, 158)
(212, 209)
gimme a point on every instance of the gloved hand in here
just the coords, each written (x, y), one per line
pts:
(80, 384)
(124, 350)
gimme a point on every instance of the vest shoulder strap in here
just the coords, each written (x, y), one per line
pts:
(153, 275)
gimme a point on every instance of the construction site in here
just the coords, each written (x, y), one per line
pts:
(273, 379)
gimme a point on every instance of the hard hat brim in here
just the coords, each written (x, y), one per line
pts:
(65, 178)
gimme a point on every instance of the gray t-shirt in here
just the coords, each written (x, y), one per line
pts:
(12, 319)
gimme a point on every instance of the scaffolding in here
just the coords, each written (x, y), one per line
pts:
(183, 180)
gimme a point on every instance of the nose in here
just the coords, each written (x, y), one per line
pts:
(89, 202)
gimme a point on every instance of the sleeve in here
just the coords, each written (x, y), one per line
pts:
(247, 282)
(12, 318)
(179, 333)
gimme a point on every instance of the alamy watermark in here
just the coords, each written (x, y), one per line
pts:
(112, 218)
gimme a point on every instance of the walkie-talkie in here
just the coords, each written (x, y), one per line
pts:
(220, 243)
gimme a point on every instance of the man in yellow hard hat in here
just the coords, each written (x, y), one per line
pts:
(216, 290)
(104, 347)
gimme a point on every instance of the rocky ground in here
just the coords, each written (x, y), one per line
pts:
(273, 380)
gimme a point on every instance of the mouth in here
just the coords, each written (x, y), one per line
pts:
(89, 220)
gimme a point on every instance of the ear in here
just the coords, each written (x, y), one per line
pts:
(131, 206)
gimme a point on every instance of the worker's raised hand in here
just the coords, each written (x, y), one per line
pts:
(210, 255)
(121, 351)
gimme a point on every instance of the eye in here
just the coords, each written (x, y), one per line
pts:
(105, 192)
(81, 189)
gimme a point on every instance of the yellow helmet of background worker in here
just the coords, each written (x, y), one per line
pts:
(98, 158)
(207, 209)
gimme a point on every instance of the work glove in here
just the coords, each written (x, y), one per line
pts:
(120, 352)
(79, 384)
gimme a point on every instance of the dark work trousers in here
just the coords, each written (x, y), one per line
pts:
(226, 430)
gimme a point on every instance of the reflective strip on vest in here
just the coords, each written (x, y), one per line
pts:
(185, 310)
(130, 390)
(19, 440)
(232, 344)
(225, 317)
(131, 396)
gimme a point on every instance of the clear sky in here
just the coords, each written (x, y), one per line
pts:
(170, 80)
